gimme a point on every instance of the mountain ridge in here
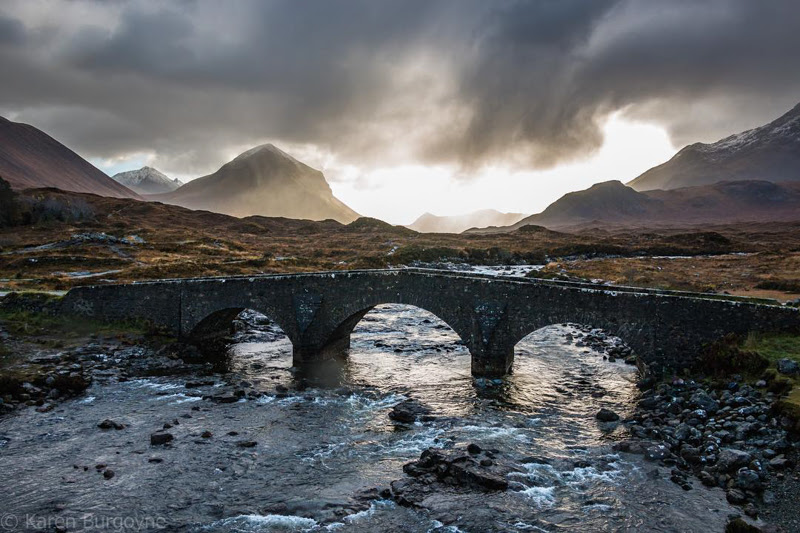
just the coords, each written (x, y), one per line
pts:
(266, 181)
(613, 203)
(769, 153)
(30, 158)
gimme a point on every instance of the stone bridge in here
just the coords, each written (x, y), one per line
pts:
(318, 311)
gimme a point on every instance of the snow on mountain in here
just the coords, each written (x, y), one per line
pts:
(770, 152)
(147, 180)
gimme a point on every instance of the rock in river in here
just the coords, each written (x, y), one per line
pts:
(409, 411)
(110, 424)
(607, 415)
(441, 470)
(157, 439)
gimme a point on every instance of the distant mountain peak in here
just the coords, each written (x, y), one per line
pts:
(612, 203)
(267, 148)
(147, 180)
(430, 223)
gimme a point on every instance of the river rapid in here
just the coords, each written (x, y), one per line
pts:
(302, 453)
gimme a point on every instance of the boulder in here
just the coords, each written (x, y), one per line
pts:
(607, 415)
(457, 469)
(780, 462)
(747, 479)
(729, 459)
(159, 439)
(701, 400)
(656, 453)
(110, 424)
(736, 497)
(788, 367)
(409, 411)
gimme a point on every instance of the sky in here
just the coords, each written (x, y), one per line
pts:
(407, 106)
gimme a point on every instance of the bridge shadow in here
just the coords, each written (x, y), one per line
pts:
(230, 338)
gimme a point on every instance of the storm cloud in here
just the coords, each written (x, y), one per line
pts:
(467, 83)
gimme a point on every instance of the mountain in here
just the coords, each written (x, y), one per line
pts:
(263, 181)
(770, 153)
(30, 158)
(429, 223)
(612, 203)
(147, 180)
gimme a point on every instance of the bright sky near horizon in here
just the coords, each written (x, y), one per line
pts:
(400, 194)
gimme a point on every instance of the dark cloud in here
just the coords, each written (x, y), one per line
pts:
(12, 31)
(465, 82)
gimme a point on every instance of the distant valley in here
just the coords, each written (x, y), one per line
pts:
(429, 223)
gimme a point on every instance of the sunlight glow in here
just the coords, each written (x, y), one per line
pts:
(400, 194)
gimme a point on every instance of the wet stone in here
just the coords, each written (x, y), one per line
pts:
(409, 411)
(110, 424)
(159, 439)
(606, 415)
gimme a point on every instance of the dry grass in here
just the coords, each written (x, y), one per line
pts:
(183, 243)
(741, 275)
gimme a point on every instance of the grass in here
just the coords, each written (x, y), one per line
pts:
(34, 324)
(774, 346)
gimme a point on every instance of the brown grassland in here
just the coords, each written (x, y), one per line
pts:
(91, 239)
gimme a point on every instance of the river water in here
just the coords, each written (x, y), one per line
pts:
(319, 446)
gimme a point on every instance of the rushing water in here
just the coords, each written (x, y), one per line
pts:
(320, 446)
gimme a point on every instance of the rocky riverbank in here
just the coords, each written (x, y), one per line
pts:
(723, 434)
(730, 433)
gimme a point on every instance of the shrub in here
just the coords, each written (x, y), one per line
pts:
(44, 209)
(726, 357)
(788, 285)
(413, 252)
(9, 210)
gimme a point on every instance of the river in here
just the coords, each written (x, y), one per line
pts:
(318, 445)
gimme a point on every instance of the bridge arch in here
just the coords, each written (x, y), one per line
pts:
(211, 332)
(334, 332)
(350, 325)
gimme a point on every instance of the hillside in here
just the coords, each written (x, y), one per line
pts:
(31, 158)
(612, 203)
(429, 223)
(263, 181)
(769, 153)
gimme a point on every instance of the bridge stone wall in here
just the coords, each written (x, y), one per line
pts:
(319, 311)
